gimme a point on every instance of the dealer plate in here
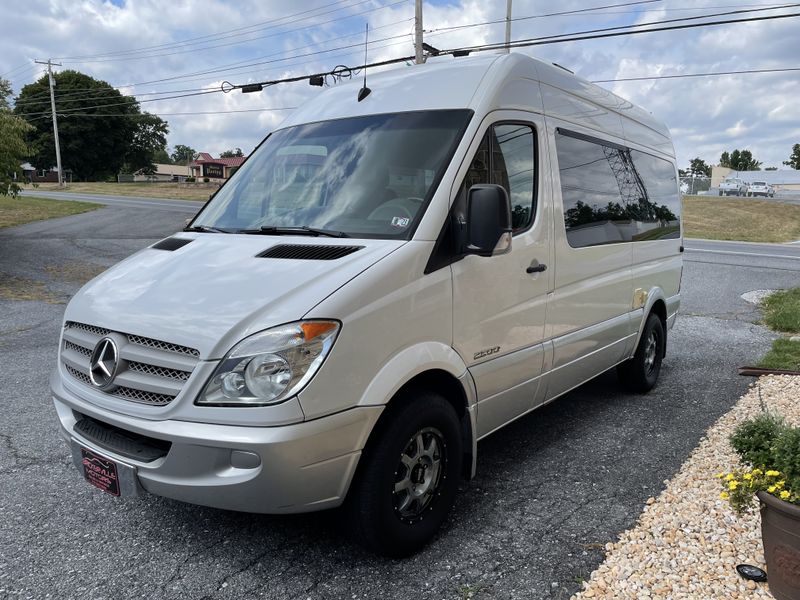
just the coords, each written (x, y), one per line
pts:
(101, 472)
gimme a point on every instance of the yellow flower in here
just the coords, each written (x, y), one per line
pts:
(720, 475)
(733, 485)
(724, 496)
(758, 472)
(771, 489)
(780, 484)
(772, 473)
(729, 477)
(785, 495)
(747, 476)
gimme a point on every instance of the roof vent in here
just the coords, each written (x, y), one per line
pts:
(308, 251)
(170, 244)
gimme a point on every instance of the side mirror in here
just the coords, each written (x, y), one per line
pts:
(488, 220)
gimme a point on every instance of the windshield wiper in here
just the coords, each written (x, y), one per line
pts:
(300, 230)
(204, 229)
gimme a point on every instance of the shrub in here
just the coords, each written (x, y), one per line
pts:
(786, 449)
(753, 439)
(206, 180)
(189, 180)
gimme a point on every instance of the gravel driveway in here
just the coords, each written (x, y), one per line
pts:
(552, 488)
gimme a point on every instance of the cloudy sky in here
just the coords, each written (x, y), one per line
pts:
(155, 49)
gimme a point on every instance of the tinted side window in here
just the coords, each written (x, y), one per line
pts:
(513, 167)
(664, 200)
(506, 157)
(613, 194)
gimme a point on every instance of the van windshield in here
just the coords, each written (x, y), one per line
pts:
(368, 177)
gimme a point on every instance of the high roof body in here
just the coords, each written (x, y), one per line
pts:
(486, 83)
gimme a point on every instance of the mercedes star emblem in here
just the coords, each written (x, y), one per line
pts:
(104, 362)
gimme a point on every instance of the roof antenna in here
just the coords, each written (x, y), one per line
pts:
(365, 91)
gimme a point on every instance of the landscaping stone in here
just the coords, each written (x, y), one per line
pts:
(688, 542)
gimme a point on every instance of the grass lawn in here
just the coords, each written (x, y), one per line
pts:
(175, 191)
(782, 313)
(784, 354)
(16, 211)
(740, 219)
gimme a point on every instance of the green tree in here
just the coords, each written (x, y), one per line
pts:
(699, 168)
(13, 150)
(162, 157)
(740, 160)
(232, 153)
(794, 158)
(5, 93)
(98, 127)
(149, 136)
(183, 155)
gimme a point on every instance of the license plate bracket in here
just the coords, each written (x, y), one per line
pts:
(101, 472)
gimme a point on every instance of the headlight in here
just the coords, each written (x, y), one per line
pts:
(270, 366)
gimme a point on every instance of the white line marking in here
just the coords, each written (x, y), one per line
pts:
(787, 256)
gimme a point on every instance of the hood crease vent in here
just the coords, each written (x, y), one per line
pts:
(170, 244)
(308, 251)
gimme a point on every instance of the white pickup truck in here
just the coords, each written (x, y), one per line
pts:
(733, 187)
(761, 188)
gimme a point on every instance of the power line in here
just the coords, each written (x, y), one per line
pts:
(530, 42)
(577, 37)
(661, 22)
(198, 49)
(554, 14)
(684, 75)
(220, 35)
(170, 114)
(129, 103)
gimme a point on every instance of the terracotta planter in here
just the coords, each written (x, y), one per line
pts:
(780, 531)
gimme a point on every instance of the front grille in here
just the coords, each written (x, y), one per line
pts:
(159, 371)
(143, 397)
(150, 371)
(166, 346)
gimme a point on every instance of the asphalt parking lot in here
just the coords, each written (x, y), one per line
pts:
(551, 489)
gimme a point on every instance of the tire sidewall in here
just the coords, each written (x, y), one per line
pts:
(382, 527)
(653, 324)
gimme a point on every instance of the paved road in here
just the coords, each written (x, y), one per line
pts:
(552, 488)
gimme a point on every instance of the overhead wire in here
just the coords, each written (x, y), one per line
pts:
(219, 35)
(199, 49)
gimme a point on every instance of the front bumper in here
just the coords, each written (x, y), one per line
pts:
(288, 469)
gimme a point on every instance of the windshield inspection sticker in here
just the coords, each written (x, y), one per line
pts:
(400, 222)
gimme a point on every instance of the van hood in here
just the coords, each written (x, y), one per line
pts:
(215, 290)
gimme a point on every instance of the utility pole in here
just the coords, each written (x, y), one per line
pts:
(508, 27)
(50, 64)
(419, 58)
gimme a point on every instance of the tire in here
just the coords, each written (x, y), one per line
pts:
(720, 193)
(400, 498)
(640, 373)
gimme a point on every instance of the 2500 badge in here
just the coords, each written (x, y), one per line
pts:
(486, 352)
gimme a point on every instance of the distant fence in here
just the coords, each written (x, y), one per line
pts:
(695, 185)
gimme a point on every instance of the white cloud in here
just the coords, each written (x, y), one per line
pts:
(707, 115)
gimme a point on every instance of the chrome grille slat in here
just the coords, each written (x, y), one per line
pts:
(151, 372)
(159, 371)
(166, 346)
(87, 352)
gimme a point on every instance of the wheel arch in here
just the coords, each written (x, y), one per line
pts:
(656, 304)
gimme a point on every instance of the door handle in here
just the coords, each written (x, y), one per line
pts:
(536, 267)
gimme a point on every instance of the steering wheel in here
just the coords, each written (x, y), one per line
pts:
(396, 207)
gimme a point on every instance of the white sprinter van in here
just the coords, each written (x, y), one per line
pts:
(381, 285)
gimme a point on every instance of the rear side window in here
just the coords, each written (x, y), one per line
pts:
(613, 194)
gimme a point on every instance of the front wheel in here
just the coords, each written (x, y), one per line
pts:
(409, 477)
(640, 373)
